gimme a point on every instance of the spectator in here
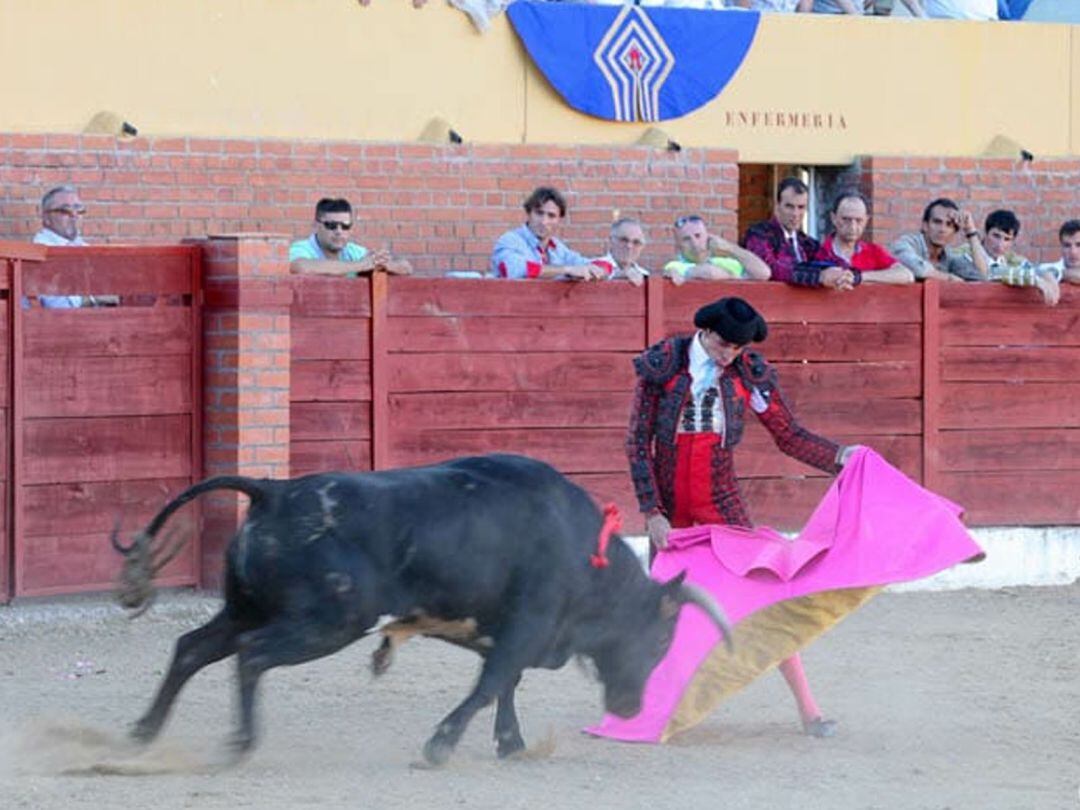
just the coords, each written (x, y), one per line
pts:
(845, 248)
(962, 9)
(534, 251)
(625, 244)
(1004, 265)
(1068, 267)
(789, 252)
(61, 214)
(928, 254)
(785, 6)
(707, 256)
(861, 6)
(328, 250)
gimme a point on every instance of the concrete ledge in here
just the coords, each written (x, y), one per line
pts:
(1015, 555)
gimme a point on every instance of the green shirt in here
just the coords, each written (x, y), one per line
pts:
(681, 267)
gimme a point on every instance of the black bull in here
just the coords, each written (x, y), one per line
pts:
(490, 552)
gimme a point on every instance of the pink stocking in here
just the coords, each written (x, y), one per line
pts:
(792, 670)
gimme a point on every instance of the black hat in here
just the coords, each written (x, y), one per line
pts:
(734, 320)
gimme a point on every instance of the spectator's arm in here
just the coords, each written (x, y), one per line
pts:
(849, 6)
(1071, 275)
(897, 274)
(753, 265)
(805, 6)
(904, 251)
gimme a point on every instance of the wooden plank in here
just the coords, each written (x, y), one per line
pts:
(1001, 297)
(106, 449)
(525, 333)
(860, 343)
(1009, 450)
(126, 270)
(330, 380)
(331, 296)
(415, 297)
(758, 457)
(1022, 326)
(1036, 498)
(1010, 405)
(81, 508)
(320, 456)
(1002, 364)
(531, 409)
(86, 562)
(571, 449)
(878, 417)
(110, 332)
(330, 338)
(481, 371)
(106, 386)
(781, 303)
(931, 364)
(380, 352)
(886, 379)
(312, 421)
(783, 503)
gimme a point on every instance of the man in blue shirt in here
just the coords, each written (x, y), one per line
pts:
(533, 251)
(328, 250)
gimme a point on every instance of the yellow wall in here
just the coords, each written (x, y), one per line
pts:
(330, 69)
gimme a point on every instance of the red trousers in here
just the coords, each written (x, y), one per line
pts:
(694, 502)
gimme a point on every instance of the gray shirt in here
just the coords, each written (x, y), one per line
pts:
(912, 251)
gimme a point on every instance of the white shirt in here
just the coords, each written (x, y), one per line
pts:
(961, 9)
(51, 238)
(705, 410)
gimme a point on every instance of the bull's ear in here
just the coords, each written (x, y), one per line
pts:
(671, 601)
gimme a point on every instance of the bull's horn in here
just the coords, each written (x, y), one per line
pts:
(114, 537)
(692, 594)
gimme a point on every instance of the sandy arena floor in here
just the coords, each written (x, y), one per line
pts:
(946, 700)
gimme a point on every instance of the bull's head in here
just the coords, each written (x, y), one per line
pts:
(625, 665)
(143, 559)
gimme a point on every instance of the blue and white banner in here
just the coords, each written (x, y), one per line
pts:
(627, 63)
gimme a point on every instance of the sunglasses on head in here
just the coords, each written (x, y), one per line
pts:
(687, 219)
(333, 225)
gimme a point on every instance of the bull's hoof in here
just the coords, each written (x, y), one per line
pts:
(143, 732)
(382, 658)
(509, 747)
(437, 751)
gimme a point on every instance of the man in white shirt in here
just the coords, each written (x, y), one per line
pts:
(1067, 268)
(61, 215)
(625, 244)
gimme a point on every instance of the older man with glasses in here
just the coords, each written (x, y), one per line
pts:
(625, 243)
(328, 250)
(61, 218)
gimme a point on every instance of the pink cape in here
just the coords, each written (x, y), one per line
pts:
(874, 526)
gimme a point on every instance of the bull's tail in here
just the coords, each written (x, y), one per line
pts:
(147, 555)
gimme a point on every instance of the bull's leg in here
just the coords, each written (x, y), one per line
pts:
(515, 649)
(213, 641)
(508, 738)
(285, 642)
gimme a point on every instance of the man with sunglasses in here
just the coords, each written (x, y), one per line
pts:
(61, 217)
(328, 250)
(704, 255)
(686, 419)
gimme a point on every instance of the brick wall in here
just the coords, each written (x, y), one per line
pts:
(441, 207)
(1043, 194)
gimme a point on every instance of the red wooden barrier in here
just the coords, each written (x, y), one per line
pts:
(107, 418)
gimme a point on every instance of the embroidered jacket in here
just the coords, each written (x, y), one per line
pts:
(661, 393)
(768, 241)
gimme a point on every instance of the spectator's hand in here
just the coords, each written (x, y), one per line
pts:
(678, 279)
(838, 278)
(658, 528)
(398, 267)
(586, 272)
(376, 260)
(1050, 289)
(635, 276)
(718, 245)
(967, 222)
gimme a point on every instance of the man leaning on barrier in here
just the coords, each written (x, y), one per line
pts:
(328, 250)
(708, 256)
